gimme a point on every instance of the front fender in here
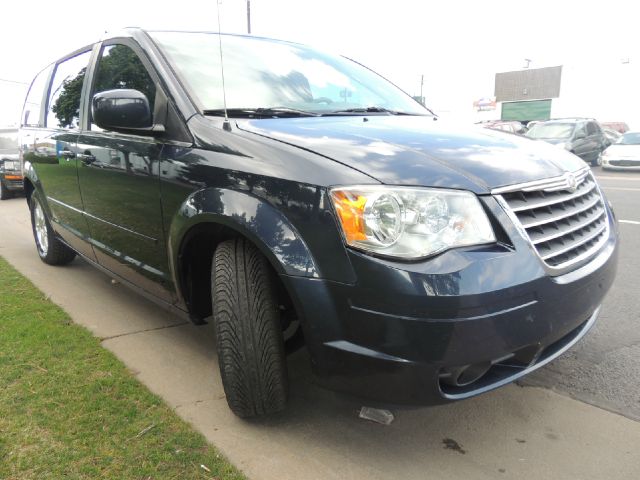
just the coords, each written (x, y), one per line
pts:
(251, 217)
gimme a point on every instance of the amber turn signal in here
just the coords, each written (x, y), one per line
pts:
(350, 209)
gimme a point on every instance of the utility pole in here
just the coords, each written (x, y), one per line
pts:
(249, 17)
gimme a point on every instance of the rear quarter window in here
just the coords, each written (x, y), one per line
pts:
(63, 107)
(31, 113)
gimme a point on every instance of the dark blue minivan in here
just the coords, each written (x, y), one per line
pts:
(302, 199)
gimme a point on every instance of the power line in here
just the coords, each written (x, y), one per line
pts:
(13, 81)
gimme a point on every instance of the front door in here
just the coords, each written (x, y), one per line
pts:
(120, 182)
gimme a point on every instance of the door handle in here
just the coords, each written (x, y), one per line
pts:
(87, 159)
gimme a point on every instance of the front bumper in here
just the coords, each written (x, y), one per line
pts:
(12, 182)
(621, 164)
(403, 329)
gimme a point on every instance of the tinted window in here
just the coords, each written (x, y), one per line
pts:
(33, 103)
(63, 107)
(120, 67)
(591, 128)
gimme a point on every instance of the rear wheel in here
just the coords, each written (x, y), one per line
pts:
(50, 249)
(248, 330)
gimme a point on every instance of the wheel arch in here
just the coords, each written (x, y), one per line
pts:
(211, 216)
(28, 189)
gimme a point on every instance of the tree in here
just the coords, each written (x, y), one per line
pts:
(67, 105)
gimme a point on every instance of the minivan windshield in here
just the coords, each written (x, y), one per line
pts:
(276, 77)
(551, 130)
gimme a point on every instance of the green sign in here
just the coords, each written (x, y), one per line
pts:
(526, 111)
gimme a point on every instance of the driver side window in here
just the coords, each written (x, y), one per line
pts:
(120, 67)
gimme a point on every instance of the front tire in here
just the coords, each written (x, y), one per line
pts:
(248, 330)
(598, 160)
(50, 249)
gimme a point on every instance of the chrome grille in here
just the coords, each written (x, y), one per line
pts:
(564, 218)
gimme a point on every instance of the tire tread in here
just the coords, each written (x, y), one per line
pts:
(248, 335)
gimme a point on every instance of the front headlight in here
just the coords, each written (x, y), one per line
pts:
(408, 222)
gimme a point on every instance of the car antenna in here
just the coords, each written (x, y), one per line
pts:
(226, 125)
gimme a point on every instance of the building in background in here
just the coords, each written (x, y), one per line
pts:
(604, 89)
(527, 95)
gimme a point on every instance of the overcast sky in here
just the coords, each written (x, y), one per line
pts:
(457, 45)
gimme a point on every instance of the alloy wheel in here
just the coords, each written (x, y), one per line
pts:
(41, 229)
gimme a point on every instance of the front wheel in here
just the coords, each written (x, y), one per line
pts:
(598, 160)
(248, 330)
(50, 249)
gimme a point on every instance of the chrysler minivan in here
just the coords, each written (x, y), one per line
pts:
(300, 199)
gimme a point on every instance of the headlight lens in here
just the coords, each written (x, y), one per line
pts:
(409, 222)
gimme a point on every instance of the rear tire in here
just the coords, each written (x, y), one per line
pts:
(4, 193)
(50, 249)
(248, 330)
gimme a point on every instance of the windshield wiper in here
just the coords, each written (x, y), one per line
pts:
(270, 112)
(370, 110)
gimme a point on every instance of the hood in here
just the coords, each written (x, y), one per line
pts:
(623, 151)
(416, 150)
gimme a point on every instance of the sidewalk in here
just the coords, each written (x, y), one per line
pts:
(515, 432)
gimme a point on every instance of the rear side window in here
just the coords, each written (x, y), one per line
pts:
(120, 67)
(33, 103)
(591, 128)
(63, 107)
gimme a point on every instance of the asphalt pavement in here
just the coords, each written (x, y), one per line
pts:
(575, 419)
(604, 368)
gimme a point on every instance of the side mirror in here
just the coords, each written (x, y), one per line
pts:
(124, 110)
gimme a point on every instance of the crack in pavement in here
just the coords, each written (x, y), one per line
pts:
(104, 339)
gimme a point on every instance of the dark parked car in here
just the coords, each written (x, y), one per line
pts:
(10, 166)
(418, 262)
(581, 136)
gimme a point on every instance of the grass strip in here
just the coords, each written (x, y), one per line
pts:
(70, 409)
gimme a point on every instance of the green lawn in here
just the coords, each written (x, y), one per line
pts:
(70, 409)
